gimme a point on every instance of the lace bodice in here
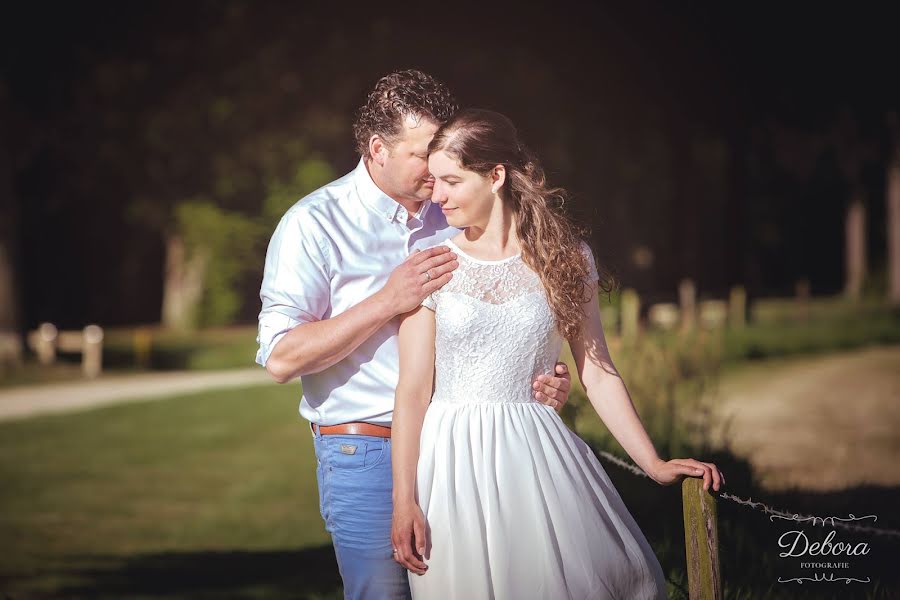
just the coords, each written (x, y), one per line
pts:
(494, 331)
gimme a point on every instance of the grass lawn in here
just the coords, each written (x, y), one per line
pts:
(214, 496)
(195, 496)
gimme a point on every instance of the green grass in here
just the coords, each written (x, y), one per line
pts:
(32, 373)
(816, 335)
(206, 486)
(819, 308)
(207, 349)
(213, 495)
(212, 348)
(668, 376)
(776, 329)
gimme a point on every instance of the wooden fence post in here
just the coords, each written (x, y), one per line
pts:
(737, 307)
(663, 315)
(143, 344)
(701, 539)
(45, 343)
(712, 314)
(92, 351)
(10, 351)
(687, 300)
(631, 311)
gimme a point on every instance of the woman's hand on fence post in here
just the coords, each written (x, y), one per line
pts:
(673, 471)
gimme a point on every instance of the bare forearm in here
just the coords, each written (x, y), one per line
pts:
(313, 347)
(406, 431)
(610, 398)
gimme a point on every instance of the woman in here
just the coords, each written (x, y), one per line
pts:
(494, 497)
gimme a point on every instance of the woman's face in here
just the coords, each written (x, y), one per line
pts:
(465, 197)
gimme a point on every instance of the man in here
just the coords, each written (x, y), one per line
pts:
(342, 266)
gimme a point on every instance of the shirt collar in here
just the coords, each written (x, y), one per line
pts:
(423, 210)
(372, 195)
(380, 202)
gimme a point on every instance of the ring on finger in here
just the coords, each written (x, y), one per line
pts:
(427, 275)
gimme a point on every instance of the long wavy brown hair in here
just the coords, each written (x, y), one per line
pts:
(551, 241)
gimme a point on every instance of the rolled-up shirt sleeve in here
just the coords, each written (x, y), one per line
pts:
(296, 281)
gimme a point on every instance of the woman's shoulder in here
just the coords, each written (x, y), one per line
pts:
(588, 253)
(446, 242)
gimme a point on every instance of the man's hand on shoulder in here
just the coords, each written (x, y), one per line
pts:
(420, 274)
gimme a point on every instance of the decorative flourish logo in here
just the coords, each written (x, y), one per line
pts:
(815, 520)
(797, 544)
(800, 580)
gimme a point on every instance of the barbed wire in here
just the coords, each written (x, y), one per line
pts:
(624, 464)
(772, 512)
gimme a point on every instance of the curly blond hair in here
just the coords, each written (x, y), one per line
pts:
(551, 241)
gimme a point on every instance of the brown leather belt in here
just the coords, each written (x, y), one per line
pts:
(355, 428)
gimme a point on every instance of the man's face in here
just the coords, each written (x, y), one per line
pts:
(405, 168)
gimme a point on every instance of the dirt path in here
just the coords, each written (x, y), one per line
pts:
(819, 423)
(33, 400)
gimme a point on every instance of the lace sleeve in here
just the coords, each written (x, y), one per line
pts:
(593, 275)
(430, 301)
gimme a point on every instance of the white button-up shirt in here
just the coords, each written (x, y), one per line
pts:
(330, 251)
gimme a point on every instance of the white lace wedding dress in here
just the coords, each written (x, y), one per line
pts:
(516, 505)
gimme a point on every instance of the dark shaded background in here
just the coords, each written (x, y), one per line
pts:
(725, 139)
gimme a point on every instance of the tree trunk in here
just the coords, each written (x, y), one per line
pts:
(893, 231)
(893, 214)
(10, 313)
(855, 247)
(183, 285)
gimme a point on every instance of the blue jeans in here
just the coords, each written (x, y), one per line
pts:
(355, 499)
